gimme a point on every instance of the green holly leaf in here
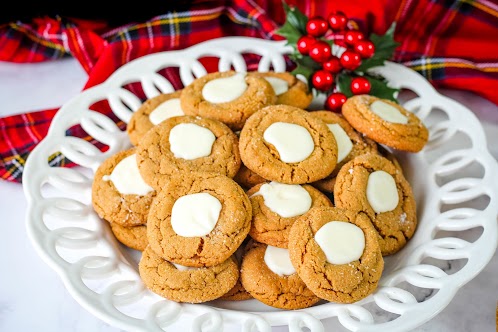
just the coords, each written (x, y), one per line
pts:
(385, 46)
(344, 84)
(289, 32)
(295, 18)
(381, 89)
(305, 66)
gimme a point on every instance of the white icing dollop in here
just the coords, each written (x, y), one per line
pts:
(286, 200)
(191, 141)
(166, 110)
(195, 214)
(382, 192)
(183, 267)
(342, 242)
(279, 85)
(278, 261)
(293, 142)
(388, 112)
(127, 179)
(223, 90)
(344, 144)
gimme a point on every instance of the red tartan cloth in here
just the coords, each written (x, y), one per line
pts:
(452, 43)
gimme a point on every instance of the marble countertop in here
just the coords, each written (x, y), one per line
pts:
(33, 297)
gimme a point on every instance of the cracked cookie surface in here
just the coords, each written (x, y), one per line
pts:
(263, 158)
(361, 145)
(343, 283)
(140, 123)
(113, 206)
(284, 292)
(269, 227)
(410, 137)
(134, 237)
(192, 285)
(230, 230)
(297, 95)
(259, 93)
(157, 163)
(394, 227)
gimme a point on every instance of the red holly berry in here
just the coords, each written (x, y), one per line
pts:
(365, 48)
(335, 101)
(337, 21)
(351, 37)
(304, 43)
(350, 60)
(322, 80)
(320, 51)
(332, 65)
(360, 85)
(317, 26)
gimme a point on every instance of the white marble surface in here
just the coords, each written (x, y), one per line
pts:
(33, 297)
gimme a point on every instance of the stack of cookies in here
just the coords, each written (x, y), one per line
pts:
(234, 190)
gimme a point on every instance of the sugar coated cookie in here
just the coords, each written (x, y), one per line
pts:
(185, 284)
(199, 219)
(119, 193)
(287, 144)
(134, 237)
(336, 253)
(275, 207)
(386, 122)
(289, 89)
(268, 275)
(372, 185)
(152, 112)
(350, 144)
(183, 144)
(228, 97)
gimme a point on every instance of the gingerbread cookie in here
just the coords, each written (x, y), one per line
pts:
(134, 237)
(183, 284)
(228, 97)
(275, 207)
(336, 254)
(183, 144)
(287, 144)
(238, 292)
(386, 122)
(152, 112)
(371, 185)
(119, 193)
(199, 219)
(268, 275)
(350, 144)
(247, 178)
(289, 89)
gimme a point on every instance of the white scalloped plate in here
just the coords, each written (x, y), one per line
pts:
(452, 178)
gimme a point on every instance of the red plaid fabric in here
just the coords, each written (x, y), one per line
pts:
(451, 43)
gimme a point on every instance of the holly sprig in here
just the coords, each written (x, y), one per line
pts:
(338, 72)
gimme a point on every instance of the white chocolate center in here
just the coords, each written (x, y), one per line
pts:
(382, 193)
(166, 110)
(183, 267)
(344, 144)
(195, 214)
(293, 142)
(342, 242)
(286, 200)
(278, 261)
(190, 141)
(279, 85)
(127, 179)
(388, 112)
(222, 90)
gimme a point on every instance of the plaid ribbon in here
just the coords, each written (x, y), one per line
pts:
(451, 43)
